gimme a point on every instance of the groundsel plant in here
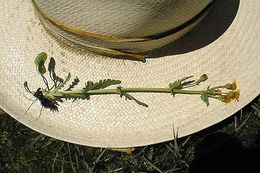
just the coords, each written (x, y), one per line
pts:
(51, 96)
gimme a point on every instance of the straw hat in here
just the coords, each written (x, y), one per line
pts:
(225, 46)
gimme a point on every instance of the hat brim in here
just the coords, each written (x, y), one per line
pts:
(108, 121)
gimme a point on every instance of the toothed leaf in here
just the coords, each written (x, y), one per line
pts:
(105, 83)
(89, 86)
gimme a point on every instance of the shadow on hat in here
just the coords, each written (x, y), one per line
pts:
(215, 23)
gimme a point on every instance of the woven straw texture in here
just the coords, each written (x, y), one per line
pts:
(120, 19)
(132, 18)
(108, 121)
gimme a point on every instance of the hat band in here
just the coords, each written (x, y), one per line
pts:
(86, 34)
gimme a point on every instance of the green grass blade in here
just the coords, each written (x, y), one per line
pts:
(152, 165)
(54, 161)
(71, 163)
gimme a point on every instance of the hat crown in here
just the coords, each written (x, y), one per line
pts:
(122, 18)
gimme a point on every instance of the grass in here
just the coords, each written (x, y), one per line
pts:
(230, 146)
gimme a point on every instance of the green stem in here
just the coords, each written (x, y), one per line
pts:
(146, 90)
(81, 93)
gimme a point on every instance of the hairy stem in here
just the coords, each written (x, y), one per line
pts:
(82, 93)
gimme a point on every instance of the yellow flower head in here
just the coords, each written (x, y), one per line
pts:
(227, 99)
(234, 85)
(234, 94)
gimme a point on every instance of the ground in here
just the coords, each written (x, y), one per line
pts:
(230, 146)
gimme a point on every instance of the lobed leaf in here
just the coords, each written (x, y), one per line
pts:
(73, 84)
(63, 82)
(101, 84)
(89, 86)
(106, 83)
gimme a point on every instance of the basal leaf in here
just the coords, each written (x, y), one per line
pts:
(39, 62)
(73, 84)
(51, 69)
(62, 82)
(59, 79)
(65, 81)
(67, 78)
(51, 65)
(26, 87)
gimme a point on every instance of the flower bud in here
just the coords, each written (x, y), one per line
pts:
(231, 86)
(202, 78)
(226, 99)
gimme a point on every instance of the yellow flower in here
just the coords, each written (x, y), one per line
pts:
(227, 99)
(234, 85)
(234, 94)
(237, 94)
